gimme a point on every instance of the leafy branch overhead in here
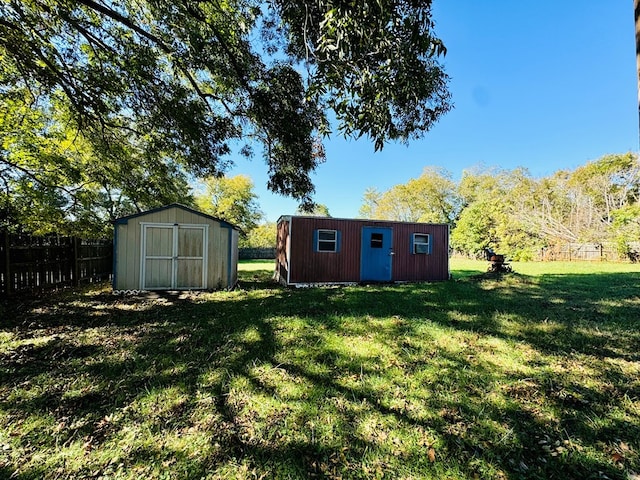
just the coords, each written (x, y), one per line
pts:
(190, 80)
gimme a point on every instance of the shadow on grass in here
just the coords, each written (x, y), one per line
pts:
(274, 381)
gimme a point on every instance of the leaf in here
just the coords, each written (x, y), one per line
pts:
(617, 458)
(432, 454)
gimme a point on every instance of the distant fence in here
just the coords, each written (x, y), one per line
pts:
(256, 253)
(30, 263)
(589, 252)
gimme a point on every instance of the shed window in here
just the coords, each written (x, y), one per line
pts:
(376, 240)
(421, 243)
(327, 241)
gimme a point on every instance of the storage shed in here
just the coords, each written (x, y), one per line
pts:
(174, 248)
(320, 250)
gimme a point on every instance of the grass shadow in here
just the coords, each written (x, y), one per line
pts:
(509, 377)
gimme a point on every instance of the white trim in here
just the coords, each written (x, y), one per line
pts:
(205, 256)
(414, 243)
(324, 284)
(174, 258)
(188, 225)
(143, 248)
(335, 240)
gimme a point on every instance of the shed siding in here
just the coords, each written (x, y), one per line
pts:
(128, 257)
(221, 261)
(282, 254)
(411, 268)
(232, 268)
(305, 265)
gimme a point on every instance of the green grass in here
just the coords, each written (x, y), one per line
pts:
(534, 374)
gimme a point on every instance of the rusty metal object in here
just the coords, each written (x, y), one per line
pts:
(497, 262)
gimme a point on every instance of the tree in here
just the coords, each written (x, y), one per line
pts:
(475, 229)
(582, 205)
(370, 201)
(318, 210)
(231, 199)
(478, 225)
(626, 231)
(510, 211)
(516, 214)
(182, 81)
(610, 183)
(262, 236)
(54, 180)
(429, 198)
(555, 211)
(492, 217)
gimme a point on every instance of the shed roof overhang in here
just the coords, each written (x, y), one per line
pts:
(125, 220)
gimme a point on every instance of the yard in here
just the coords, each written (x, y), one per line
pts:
(534, 374)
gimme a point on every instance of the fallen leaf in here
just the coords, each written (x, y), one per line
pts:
(617, 458)
(432, 455)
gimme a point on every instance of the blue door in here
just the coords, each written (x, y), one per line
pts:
(377, 254)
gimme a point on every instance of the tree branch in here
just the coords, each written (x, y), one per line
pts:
(35, 178)
(112, 14)
(153, 38)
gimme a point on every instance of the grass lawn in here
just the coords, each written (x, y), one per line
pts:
(534, 374)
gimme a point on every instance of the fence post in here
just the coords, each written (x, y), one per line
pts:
(76, 260)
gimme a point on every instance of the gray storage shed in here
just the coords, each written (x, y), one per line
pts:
(174, 248)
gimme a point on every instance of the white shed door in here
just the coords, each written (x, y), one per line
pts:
(174, 257)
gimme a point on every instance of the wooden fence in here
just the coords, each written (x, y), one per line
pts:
(589, 252)
(268, 253)
(29, 263)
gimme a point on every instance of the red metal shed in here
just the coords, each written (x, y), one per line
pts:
(321, 250)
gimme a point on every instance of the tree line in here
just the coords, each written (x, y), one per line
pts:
(512, 212)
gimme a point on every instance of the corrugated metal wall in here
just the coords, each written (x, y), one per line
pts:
(309, 266)
(412, 268)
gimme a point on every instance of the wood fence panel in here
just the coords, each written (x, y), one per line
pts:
(268, 253)
(29, 263)
(589, 252)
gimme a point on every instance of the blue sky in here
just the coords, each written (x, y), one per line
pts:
(544, 84)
